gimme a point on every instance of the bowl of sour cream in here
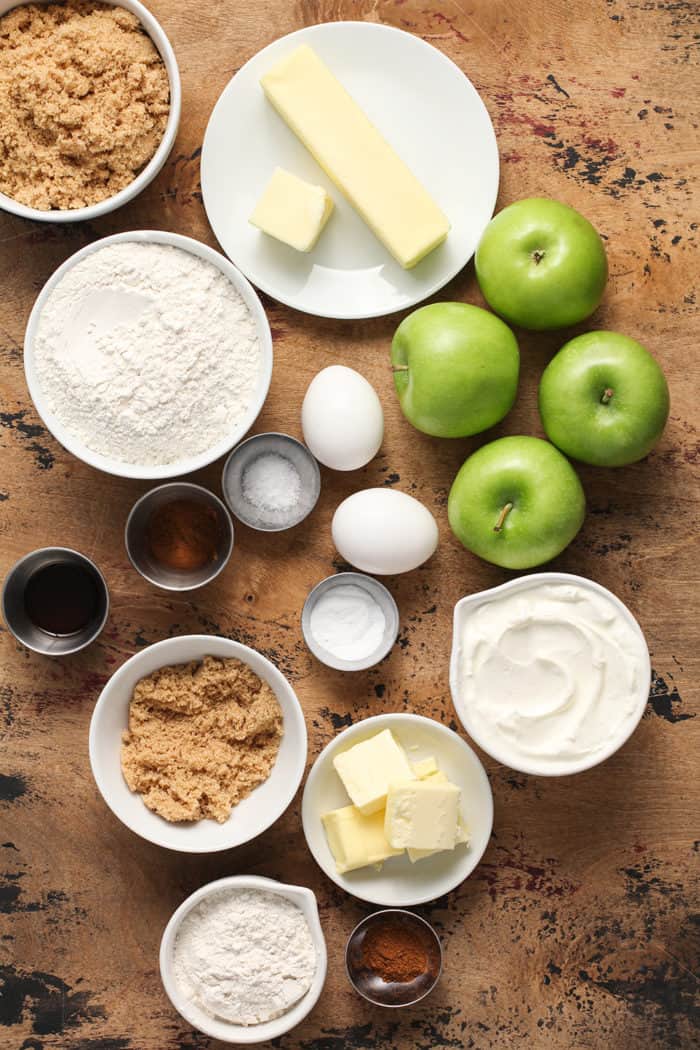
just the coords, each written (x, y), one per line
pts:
(549, 673)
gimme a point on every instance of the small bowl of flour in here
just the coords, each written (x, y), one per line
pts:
(243, 959)
(148, 355)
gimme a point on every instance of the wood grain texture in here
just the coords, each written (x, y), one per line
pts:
(580, 928)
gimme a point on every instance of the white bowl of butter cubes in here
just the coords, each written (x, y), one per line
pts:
(397, 810)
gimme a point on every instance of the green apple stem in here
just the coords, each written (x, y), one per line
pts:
(502, 517)
(537, 256)
(399, 368)
(607, 395)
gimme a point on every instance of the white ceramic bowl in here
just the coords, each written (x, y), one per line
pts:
(177, 467)
(225, 1030)
(251, 816)
(93, 211)
(401, 884)
(465, 605)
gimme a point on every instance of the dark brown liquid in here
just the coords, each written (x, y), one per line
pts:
(61, 598)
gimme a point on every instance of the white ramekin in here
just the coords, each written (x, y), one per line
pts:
(93, 211)
(226, 1031)
(177, 467)
(614, 743)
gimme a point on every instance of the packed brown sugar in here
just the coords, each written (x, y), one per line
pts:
(84, 102)
(201, 737)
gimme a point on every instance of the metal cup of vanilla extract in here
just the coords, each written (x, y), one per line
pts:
(55, 601)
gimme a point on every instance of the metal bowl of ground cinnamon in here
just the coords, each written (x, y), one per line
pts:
(393, 958)
(90, 97)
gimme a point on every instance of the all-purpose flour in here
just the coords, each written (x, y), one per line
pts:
(147, 354)
(244, 956)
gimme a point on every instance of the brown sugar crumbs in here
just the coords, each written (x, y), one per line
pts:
(84, 102)
(201, 736)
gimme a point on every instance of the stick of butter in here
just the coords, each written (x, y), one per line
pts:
(368, 768)
(364, 167)
(355, 840)
(292, 210)
(422, 814)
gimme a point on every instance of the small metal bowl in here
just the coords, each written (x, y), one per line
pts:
(135, 537)
(380, 594)
(370, 985)
(244, 455)
(15, 612)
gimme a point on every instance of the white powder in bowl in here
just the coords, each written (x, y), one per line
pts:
(147, 354)
(245, 956)
(271, 482)
(348, 622)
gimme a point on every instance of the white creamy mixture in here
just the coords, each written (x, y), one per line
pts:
(147, 354)
(348, 622)
(550, 674)
(245, 956)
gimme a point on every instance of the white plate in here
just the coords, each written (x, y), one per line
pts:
(225, 1030)
(423, 105)
(401, 884)
(179, 466)
(251, 816)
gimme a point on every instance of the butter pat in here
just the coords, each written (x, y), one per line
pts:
(355, 840)
(364, 167)
(370, 767)
(425, 767)
(422, 814)
(437, 777)
(292, 210)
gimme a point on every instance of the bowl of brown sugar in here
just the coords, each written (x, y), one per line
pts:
(393, 958)
(198, 743)
(90, 97)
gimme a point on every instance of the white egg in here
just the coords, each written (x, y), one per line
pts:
(384, 531)
(342, 418)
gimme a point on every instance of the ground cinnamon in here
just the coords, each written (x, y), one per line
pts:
(184, 534)
(394, 953)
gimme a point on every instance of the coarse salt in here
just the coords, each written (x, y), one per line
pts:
(272, 483)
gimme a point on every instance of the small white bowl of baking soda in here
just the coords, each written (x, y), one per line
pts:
(148, 355)
(549, 673)
(243, 959)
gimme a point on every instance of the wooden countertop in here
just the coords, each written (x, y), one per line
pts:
(579, 928)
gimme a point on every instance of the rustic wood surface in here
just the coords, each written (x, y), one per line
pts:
(579, 929)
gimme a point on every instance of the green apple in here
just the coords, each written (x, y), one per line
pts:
(517, 502)
(603, 399)
(455, 369)
(540, 264)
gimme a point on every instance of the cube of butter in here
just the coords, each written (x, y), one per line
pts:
(368, 768)
(422, 814)
(355, 840)
(420, 854)
(425, 767)
(352, 152)
(292, 210)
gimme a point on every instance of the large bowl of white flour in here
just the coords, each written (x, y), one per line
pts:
(148, 355)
